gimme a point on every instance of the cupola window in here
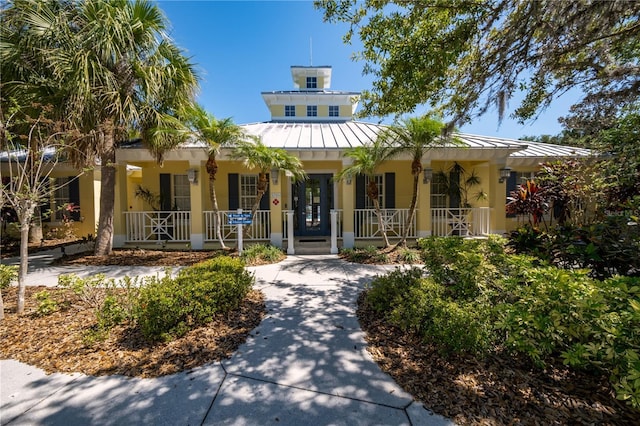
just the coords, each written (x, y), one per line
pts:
(312, 82)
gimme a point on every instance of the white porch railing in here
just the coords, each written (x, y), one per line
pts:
(158, 226)
(466, 222)
(260, 229)
(366, 223)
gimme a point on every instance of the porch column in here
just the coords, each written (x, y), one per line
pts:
(423, 211)
(348, 207)
(197, 175)
(275, 207)
(120, 207)
(497, 199)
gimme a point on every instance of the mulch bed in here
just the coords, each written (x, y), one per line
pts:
(140, 257)
(57, 342)
(499, 390)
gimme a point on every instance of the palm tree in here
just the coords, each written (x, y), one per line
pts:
(216, 134)
(110, 68)
(367, 159)
(256, 155)
(415, 137)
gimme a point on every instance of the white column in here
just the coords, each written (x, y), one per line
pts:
(290, 248)
(239, 232)
(334, 232)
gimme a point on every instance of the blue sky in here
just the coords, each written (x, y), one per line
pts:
(243, 48)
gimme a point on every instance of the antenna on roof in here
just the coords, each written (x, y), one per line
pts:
(311, 51)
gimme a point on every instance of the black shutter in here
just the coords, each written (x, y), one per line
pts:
(45, 207)
(361, 192)
(389, 190)
(74, 197)
(264, 201)
(512, 184)
(234, 191)
(454, 190)
(165, 191)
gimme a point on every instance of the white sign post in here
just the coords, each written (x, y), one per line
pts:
(240, 219)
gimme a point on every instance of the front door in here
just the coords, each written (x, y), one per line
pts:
(313, 199)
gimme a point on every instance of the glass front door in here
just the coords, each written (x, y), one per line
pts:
(313, 199)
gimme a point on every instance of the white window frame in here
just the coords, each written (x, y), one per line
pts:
(334, 111)
(248, 189)
(312, 82)
(439, 196)
(368, 202)
(181, 189)
(289, 110)
(60, 196)
(312, 110)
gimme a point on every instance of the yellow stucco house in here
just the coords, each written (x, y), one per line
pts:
(315, 123)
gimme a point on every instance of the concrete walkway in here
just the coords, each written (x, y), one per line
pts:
(305, 364)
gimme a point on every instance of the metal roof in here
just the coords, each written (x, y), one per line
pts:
(341, 135)
(324, 140)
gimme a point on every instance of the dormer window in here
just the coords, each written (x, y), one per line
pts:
(289, 110)
(312, 110)
(312, 82)
(334, 111)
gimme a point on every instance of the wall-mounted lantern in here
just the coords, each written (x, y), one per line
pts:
(274, 176)
(427, 175)
(192, 175)
(505, 172)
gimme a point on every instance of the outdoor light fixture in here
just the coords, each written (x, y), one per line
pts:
(348, 179)
(274, 176)
(427, 175)
(504, 174)
(192, 175)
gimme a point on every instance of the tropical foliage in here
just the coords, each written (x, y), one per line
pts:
(215, 134)
(476, 298)
(414, 136)
(366, 159)
(470, 56)
(255, 155)
(109, 69)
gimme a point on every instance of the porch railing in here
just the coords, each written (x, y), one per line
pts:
(366, 223)
(466, 222)
(158, 226)
(260, 229)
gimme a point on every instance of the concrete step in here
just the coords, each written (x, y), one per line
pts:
(312, 245)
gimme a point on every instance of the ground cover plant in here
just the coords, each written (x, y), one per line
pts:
(506, 326)
(136, 327)
(373, 255)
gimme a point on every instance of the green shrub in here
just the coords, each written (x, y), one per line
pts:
(465, 267)
(257, 253)
(611, 343)
(388, 290)
(409, 255)
(46, 304)
(607, 247)
(460, 327)
(170, 307)
(8, 273)
(416, 303)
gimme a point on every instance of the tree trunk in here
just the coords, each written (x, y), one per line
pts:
(212, 170)
(381, 224)
(412, 212)
(107, 194)
(36, 234)
(24, 262)
(216, 212)
(1, 306)
(263, 185)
